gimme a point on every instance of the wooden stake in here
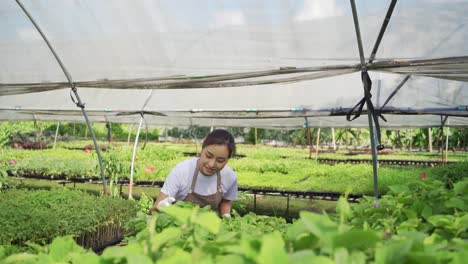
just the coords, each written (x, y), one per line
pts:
(255, 137)
(130, 127)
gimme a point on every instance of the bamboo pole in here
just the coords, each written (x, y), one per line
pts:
(309, 142)
(130, 128)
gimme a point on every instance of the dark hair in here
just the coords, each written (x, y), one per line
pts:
(221, 137)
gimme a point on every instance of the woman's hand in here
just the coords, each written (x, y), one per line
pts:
(163, 200)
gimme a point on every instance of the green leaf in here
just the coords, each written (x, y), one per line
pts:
(62, 246)
(305, 241)
(175, 256)
(434, 239)
(410, 214)
(342, 256)
(21, 258)
(250, 246)
(182, 215)
(343, 208)
(167, 235)
(2, 252)
(272, 250)
(421, 258)
(122, 252)
(231, 259)
(464, 221)
(308, 256)
(408, 225)
(399, 189)
(87, 258)
(455, 202)
(321, 226)
(460, 257)
(302, 256)
(426, 212)
(461, 187)
(356, 239)
(139, 259)
(296, 229)
(393, 252)
(441, 220)
(210, 221)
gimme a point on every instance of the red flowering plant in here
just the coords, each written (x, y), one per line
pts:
(149, 169)
(422, 175)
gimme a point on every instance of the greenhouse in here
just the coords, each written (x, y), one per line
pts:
(350, 120)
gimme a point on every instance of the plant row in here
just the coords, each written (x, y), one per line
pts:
(261, 168)
(37, 216)
(433, 231)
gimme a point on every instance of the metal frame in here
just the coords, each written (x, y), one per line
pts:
(78, 102)
(373, 122)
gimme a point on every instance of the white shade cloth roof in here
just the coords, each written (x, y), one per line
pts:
(234, 63)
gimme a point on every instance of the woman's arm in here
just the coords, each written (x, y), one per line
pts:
(225, 207)
(161, 197)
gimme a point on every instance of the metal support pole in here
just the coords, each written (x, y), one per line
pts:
(446, 144)
(368, 102)
(109, 133)
(287, 206)
(56, 134)
(98, 151)
(333, 138)
(411, 139)
(317, 144)
(442, 149)
(79, 103)
(309, 140)
(429, 132)
(130, 185)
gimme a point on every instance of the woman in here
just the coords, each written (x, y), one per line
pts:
(205, 180)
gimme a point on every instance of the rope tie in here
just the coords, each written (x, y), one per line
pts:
(82, 106)
(370, 107)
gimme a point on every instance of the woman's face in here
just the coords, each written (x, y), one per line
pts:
(213, 158)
